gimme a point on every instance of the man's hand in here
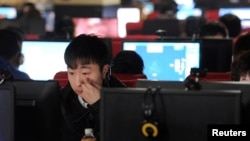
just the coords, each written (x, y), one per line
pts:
(91, 91)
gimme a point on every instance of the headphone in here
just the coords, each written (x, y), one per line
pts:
(149, 127)
(107, 78)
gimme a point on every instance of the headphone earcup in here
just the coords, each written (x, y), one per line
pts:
(149, 129)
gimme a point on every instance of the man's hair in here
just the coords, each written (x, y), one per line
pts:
(212, 28)
(193, 25)
(241, 65)
(87, 49)
(233, 24)
(242, 43)
(9, 43)
(128, 62)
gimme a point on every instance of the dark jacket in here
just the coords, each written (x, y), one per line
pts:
(6, 66)
(76, 117)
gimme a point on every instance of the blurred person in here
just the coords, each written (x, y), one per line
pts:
(10, 53)
(193, 25)
(241, 67)
(30, 19)
(241, 44)
(233, 24)
(88, 68)
(164, 10)
(213, 29)
(65, 27)
(127, 62)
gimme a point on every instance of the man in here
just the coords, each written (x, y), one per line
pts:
(241, 67)
(214, 29)
(10, 53)
(87, 59)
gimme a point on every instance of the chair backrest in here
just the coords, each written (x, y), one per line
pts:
(62, 78)
(129, 79)
(121, 76)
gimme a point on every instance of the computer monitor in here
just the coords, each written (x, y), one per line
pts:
(183, 14)
(37, 110)
(180, 115)
(8, 12)
(7, 112)
(245, 24)
(241, 12)
(127, 15)
(145, 83)
(166, 60)
(43, 59)
(216, 54)
(207, 85)
(234, 85)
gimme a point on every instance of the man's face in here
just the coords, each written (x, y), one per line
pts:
(85, 73)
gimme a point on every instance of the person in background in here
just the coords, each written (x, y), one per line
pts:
(164, 10)
(193, 25)
(213, 29)
(233, 24)
(10, 53)
(30, 20)
(88, 67)
(127, 62)
(241, 44)
(241, 67)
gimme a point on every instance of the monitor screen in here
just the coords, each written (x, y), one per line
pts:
(245, 24)
(8, 12)
(242, 13)
(43, 59)
(185, 13)
(216, 54)
(177, 114)
(127, 15)
(7, 104)
(104, 27)
(37, 111)
(166, 60)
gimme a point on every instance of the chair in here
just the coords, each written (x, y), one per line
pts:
(62, 78)
(121, 76)
(129, 79)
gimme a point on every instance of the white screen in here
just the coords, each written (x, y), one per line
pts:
(43, 59)
(242, 13)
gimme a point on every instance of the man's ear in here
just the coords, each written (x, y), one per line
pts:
(16, 60)
(105, 71)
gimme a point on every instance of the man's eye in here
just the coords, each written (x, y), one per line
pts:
(85, 73)
(70, 73)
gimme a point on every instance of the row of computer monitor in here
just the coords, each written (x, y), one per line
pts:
(30, 110)
(176, 114)
(170, 59)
